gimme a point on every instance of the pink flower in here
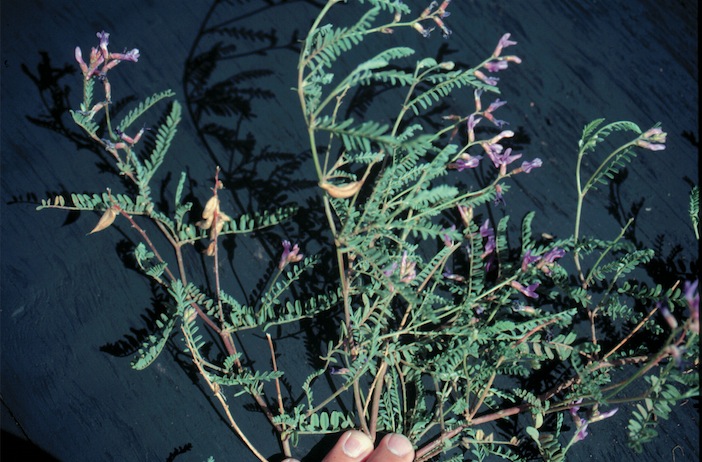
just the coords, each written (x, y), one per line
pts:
(487, 80)
(493, 107)
(486, 230)
(407, 269)
(495, 66)
(503, 43)
(529, 291)
(101, 56)
(653, 139)
(528, 259)
(467, 162)
(692, 296)
(472, 122)
(668, 316)
(448, 241)
(104, 41)
(582, 431)
(499, 159)
(81, 63)
(290, 255)
(529, 166)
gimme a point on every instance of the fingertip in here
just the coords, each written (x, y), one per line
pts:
(394, 447)
(352, 446)
(356, 444)
(399, 445)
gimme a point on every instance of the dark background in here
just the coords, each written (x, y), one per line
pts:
(71, 306)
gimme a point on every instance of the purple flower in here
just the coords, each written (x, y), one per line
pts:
(291, 254)
(503, 43)
(575, 407)
(496, 66)
(692, 296)
(529, 291)
(549, 259)
(582, 431)
(407, 269)
(104, 41)
(469, 162)
(493, 107)
(390, 270)
(496, 105)
(528, 259)
(500, 136)
(131, 55)
(490, 246)
(100, 56)
(486, 230)
(502, 159)
(668, 316)
(419, 28)
(605, 415)
(490, 257)
(492, 149)
(487, 80)
(472, 122)
(553, 254)
(81, 63)
(650, 146)
(499, 198)
(653, 139)
(529, 166)
(448, 241)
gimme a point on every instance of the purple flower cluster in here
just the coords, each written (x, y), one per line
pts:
(101, 56)
(291, 254)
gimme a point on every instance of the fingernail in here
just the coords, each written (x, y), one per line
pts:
(356, 444)
(399, 445)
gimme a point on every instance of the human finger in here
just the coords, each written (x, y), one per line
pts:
(393, 448)
(353, 446)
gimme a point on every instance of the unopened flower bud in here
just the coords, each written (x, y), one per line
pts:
(81, 63)
(669, 318)
(419, 28)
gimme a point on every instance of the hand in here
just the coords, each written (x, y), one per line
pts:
(356, 446)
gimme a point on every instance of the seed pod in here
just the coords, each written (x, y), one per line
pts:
(106, 220)
(343, 191)
(210, 207)
(205, 224)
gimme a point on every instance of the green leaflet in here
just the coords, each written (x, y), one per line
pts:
(694, 210)
(142, 108)
(615, 161)
(442, 84)
(358, 138)
(153, 346)
(164, 137)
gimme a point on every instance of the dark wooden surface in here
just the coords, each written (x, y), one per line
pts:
(69, 301)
